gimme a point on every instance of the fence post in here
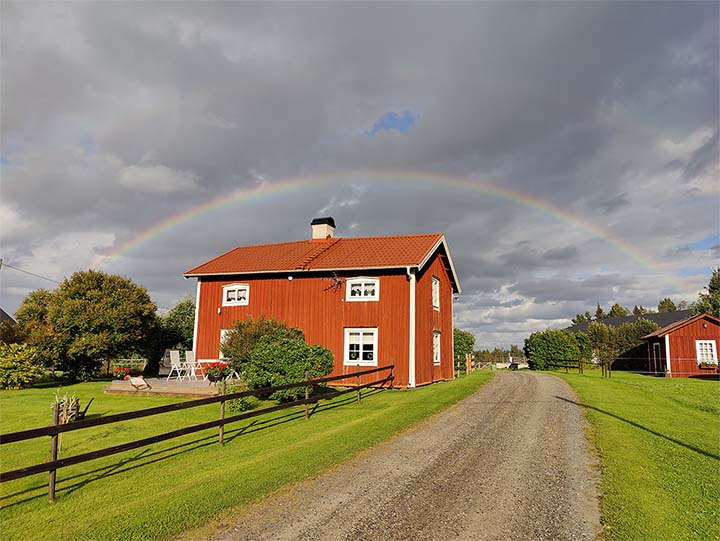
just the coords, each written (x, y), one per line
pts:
(54, 452)
(358, 386)
(307, 395)
(221, 428)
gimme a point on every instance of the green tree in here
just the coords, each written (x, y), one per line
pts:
(641, 310)
(464, 342)
(35, 328)
(582, 318)
(179, 323)
(618, 311)
(666, 305)
(553, 345)
(599, 313)
(708, 302)
(96, 316)
(611, 343)
(19, 365)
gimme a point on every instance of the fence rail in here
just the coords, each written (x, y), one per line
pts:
(54, 430)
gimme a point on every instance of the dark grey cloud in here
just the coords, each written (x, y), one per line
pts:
(117, 117)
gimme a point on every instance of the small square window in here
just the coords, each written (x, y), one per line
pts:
(236, 295)
(361, 347)
(363, 289)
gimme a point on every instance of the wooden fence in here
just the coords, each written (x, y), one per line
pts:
(56, 429)
(576, 364)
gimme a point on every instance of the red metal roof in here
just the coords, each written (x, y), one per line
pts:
(330, 254)
(679, 324)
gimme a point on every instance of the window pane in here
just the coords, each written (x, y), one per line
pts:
(230, 295)
(355, 290)
(242, 295)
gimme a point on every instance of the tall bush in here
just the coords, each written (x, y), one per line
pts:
(247, 333)
(545, 347)
(19, 365)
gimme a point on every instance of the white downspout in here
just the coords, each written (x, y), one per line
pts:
(197, 311)
(411, 345)
(668, 372)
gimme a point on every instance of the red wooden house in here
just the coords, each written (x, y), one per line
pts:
(687, 348)
(372, 301)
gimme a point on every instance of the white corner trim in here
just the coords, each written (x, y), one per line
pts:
(667, 354)
(197, 311)
(411, 345)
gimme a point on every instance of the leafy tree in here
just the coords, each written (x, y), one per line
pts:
(19, 365)
(641, 310)
(242, 339)
(279, 361)
(682, 305)
(96, 316)
(618, 311)
(582, 318)
(599, 313)
(10, 334)
(464, 342)
(35, 328)
(666, 305)
(551, 345)
(708, 302)
(612, 343)
(515, 351)
(179, 323)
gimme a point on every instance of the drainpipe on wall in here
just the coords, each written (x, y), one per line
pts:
(411, 318)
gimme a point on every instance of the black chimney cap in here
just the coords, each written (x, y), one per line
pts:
(320, 221)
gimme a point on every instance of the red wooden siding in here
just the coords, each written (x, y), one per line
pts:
(683, 354)
(428, 320)
(310, 303)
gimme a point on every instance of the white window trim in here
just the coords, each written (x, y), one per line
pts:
(362, 280)
(235, 303)
(223, 332)
(714, 350)
(436, 280)
(346, 347)
(437, 336)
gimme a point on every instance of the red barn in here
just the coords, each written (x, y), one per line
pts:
(372, 301)
(678, 349)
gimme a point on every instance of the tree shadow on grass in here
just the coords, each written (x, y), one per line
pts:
(144, 457)
(641, 427)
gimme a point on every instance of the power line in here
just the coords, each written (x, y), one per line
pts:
(3, 264)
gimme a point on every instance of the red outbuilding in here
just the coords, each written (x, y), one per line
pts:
(687, 348)
(372, 301)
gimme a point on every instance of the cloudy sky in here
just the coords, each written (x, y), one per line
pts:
(569, 151)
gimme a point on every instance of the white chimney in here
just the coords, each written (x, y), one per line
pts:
(322, 228)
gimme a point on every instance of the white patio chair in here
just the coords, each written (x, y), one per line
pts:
(176, 365)
(192, 365)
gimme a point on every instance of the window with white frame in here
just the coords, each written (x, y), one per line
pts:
(706, 351)
(236, 295)
(436, 347)
(223, 334)
(361, 346)
(436, 293)
(362, 289)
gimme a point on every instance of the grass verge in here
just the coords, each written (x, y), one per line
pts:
(168, 488)
(659, 446)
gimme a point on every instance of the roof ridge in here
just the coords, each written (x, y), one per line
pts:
(309, 258)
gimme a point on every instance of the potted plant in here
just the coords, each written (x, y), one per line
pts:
(120, 372)
(707, 365)
(217, 371)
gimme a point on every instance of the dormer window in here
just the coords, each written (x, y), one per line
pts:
(362, 289)
(236, 295)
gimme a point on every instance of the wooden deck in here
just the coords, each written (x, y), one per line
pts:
(162, 386)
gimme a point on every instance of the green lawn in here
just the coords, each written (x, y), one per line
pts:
(659, 446)
(174, 486)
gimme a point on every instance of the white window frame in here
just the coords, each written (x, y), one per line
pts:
(436, 348)
(436, 293)
(236, 287)
(223, 332)
(713, 350)
(362, 282)
(346, 346)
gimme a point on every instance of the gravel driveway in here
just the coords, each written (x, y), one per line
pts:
(509, 462)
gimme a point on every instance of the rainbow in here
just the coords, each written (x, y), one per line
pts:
(289, 185)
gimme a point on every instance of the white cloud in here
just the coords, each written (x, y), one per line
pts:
(156, 179)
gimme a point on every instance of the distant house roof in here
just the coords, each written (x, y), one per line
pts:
(663, 319)
(680, 324)
(331, 254)
(6, 318)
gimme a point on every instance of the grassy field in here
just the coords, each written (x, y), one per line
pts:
(659, 446)
(170, 487)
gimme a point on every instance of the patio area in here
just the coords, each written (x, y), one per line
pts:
(161, 386)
